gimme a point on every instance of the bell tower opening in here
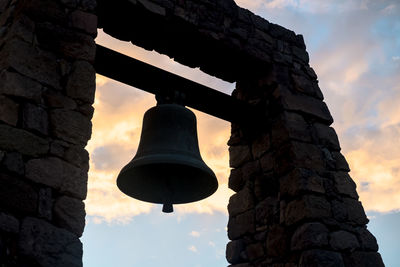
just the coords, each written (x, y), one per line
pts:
(117, 123)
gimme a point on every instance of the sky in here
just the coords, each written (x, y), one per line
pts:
(354, 47)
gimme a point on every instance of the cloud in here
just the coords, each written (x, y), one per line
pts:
(375, 168)
(193, 249)
(194, 234)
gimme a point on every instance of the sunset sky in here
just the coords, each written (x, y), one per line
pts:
(354, 47)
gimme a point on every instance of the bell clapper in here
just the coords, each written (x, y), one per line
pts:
(167, 208)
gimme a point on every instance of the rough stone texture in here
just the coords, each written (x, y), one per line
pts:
(81, 82)
(241, 224)
(241, 202)
(345, 185)
(321, 258)
(70, 179)
(8, 111)
(13, 162)
(239, 155)
(342, 240)
(367, 240)
(233, 251)
(299, 181)
(8, 223)
(14, 84)
(310, 235)
(45, 205)
(48, 245)
(35, 118)
(16, 196)
(70, 214)
(308, 207)
(14, 139)
(277, 241)
(292, 185)
(364, 259)
(70, 126)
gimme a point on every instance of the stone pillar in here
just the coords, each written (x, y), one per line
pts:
(47, 84)
(295, 203)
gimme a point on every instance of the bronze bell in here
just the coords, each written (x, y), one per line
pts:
(168, 168)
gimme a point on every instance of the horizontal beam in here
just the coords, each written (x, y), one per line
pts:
(154, 80)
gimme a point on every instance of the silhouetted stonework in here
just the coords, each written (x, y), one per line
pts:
(295, 204)
(47, 85)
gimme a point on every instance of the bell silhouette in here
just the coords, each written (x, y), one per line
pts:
(168, 168)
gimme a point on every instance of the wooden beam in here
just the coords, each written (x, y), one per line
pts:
(154, 80)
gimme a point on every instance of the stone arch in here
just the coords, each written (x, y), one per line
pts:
(295, 204)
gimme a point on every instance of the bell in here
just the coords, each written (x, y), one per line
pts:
(168, 168)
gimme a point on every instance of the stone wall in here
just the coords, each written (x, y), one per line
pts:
(295, 204)
(47, 86)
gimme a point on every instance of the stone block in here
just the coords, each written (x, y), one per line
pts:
(308, 207)
(367, 240)
(300, 181)
(355, 211)
(321, 258)
(23, 27)
(342, 240)
(47, 10)
(70, 43)
(55, 99)
(301, 54)
(299, 155)
(48, 245)
(86, 109)
(345, 185)
(364, 259)
(340, 162)
(304, 104)
(17, 196)
(267, 162)
(31, 61)
(238, 155)
(241, 224)
(35, 118)
(45, 203)
(8, 223)
(241, 202)
(70, 214)
(70, 3)
(267, 211)
(290, 126)
(16, 85)
(255, 251)
(81, 83)
(77, 156)
(310, 235)
(13, 162)
(261, 145)
(339, 211)
(236, 181)
(8, 110)
(70, 126)
(89, 5)
(233, 250)
(265, 185)
(306, 86)
(13, 139)
(327, 136)
(277, 243)
(250, 170)
(84, 21)
(3, 5)
(59, 175)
